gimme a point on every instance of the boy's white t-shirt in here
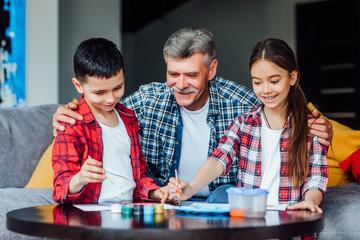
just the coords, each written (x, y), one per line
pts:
(270, 162)
(194, 145)
(117, 164)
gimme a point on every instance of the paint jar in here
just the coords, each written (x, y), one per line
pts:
(127, 209)
(159, 209)
(148, 209)
(116, 208)
(246, 202)
(138, 210)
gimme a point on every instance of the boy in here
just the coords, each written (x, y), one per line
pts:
(99, 159)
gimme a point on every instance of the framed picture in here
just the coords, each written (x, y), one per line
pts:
(12, 53)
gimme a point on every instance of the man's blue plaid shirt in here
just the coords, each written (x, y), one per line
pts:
(160, 123)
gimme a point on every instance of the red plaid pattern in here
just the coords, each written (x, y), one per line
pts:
(241, 145)
(73, 146)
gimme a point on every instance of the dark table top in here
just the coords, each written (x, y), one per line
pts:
(66, 221)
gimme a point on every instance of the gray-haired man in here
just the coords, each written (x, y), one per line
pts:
(182, 120)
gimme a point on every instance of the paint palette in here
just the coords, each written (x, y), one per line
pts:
(205, 209)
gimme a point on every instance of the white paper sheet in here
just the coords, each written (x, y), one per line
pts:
(277, 207)
(93, 207)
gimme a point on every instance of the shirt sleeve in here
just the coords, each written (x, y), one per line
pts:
(229, 146)
(144, 184)
(318, 169)
(66, 162)
(147, 183)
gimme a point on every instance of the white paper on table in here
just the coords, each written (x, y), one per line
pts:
(277, 207)
(93, 207)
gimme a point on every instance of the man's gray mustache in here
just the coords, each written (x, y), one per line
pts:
(184, 91)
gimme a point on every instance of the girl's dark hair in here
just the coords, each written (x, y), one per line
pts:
(279, 52)
(97, 57)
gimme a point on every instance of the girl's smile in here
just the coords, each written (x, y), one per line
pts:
(271, 84)
(269, 98)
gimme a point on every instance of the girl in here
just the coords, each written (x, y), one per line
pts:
(271, 143)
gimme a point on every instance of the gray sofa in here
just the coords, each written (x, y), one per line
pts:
(341, 205)
(25, 133)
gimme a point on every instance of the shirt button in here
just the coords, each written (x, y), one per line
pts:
(280, 194)
(99, 139)
(177, 142)
(179, 123)
(95, 201)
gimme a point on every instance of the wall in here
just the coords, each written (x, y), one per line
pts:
(53, 30)
(80, 20)
(42, 74)
(237, 27)
(53, 35)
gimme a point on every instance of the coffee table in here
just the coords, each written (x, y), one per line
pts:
(66, 221)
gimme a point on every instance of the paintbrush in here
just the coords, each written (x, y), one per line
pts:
(177, 189)
(112, 182)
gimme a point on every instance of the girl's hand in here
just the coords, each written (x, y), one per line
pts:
(91, 172)
(305, 205)
(183, 189)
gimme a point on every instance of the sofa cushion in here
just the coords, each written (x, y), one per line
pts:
(15, 198)
(345, 141)
(352, 164)
(43, 175)
(341, 206)
(25, 133)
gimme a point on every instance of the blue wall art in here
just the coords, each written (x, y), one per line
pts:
(12, 53)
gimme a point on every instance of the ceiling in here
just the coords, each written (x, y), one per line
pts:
(136, 14)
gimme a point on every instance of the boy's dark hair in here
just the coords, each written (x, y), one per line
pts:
(97, 57)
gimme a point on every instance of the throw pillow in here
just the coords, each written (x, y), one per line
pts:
(352, 164)
(345, 141)
(43, 174)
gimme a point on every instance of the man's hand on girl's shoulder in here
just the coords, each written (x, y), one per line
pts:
(321, 127)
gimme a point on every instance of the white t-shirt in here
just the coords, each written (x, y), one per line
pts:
(194, 144)
(270, 162)
(117, 164)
